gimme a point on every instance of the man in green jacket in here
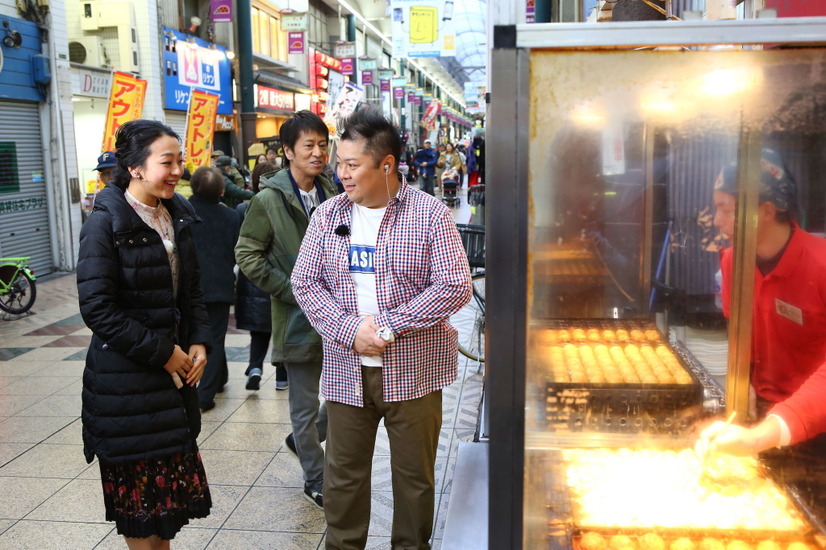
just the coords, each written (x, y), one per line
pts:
(274, 225)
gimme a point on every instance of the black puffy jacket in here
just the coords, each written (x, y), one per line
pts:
(131, 407)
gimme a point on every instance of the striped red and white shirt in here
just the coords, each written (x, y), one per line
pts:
(422, 278)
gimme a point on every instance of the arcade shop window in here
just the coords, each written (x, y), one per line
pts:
(9, 182)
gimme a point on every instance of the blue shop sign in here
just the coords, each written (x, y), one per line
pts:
(24, 71)
(189, 62)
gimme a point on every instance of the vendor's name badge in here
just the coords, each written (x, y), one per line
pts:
(794, 314)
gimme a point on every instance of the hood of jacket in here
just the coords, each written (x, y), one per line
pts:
(280, 182)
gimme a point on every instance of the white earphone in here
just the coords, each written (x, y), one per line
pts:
(386, 168)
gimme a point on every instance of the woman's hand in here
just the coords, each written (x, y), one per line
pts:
(179, 363)
(197, 353)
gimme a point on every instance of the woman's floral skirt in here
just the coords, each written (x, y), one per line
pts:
(156, 496)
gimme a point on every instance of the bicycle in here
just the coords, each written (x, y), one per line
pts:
(17, 285)
(470, 320)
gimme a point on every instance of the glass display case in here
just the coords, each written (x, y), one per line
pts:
(608, 348)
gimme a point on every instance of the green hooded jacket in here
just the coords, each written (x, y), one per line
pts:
(274, 225)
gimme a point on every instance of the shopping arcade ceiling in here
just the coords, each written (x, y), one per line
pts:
(469, 64)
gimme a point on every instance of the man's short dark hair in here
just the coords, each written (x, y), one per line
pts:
(381, 137)
(207, 182)
(301, 122)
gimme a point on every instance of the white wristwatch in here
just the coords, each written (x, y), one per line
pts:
(386, 334)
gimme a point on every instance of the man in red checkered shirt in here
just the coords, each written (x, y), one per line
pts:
(379, 272)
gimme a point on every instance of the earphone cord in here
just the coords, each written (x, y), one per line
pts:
(387, 185)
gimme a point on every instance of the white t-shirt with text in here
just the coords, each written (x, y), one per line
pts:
(364, 233)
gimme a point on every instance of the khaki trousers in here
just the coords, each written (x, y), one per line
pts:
(413, 429)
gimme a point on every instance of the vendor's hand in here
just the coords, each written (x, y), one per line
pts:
(726, 438)
(179, 363)
(197, 353)
(740, 441)
(367, 342)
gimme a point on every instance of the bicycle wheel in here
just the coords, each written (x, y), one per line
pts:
(20, 296)
(470, 322)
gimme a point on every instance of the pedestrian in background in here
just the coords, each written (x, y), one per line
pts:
(380, 271)
(215, 239)
(252, 308)
(271, 235)
(137, 277)
(233, 193)
(106, 164)
(425, 162)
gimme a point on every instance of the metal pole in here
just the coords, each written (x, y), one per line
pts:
(248, 134)
(351, 28)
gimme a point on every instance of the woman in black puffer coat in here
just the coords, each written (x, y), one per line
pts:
(138, 290)
(252, 308)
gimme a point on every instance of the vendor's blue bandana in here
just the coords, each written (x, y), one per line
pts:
(776, 186)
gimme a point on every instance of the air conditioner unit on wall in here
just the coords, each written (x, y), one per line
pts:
(88, 51)
(97, 15)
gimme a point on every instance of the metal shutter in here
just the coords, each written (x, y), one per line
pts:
(24, 218)
(177, 121)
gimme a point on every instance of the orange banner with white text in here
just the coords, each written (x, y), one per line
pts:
(200, 129)
(125, 104)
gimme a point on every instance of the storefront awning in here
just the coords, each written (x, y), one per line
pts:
(281, 82)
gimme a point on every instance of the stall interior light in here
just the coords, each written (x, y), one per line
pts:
(659, 106)
(725, 82)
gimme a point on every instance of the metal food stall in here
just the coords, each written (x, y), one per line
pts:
(602, 249)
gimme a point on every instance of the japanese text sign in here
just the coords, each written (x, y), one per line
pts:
(125, 104)
(423, 28)
(191, 63)
(200, 129)
(270, 98)
(220, 11)
(295, 41)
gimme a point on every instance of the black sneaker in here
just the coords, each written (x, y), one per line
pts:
(254, 379)
(290, 443)
(315, 497)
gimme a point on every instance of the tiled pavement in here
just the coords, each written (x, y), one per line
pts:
(51, 499)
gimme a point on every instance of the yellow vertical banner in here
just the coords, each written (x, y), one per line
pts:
(125, 104)
(200, 129)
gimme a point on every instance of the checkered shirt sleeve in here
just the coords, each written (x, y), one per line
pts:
(422, 277)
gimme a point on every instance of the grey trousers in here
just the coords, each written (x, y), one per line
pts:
(309, 421)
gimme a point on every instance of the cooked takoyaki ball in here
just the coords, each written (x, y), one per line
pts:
(651, 541)
(738, 545)
(798, 546)
(768, 545)
(622, 335)
(564, 335)
(637, 335)
(609, 335)
(711, 544)
(593, 334)
(682, 543)
(622, 542)
(578, 334)
(652, 335)
(592, 541)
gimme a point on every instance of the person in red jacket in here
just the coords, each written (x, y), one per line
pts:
(788, 375)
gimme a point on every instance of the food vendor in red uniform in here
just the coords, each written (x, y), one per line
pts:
(788, 376)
